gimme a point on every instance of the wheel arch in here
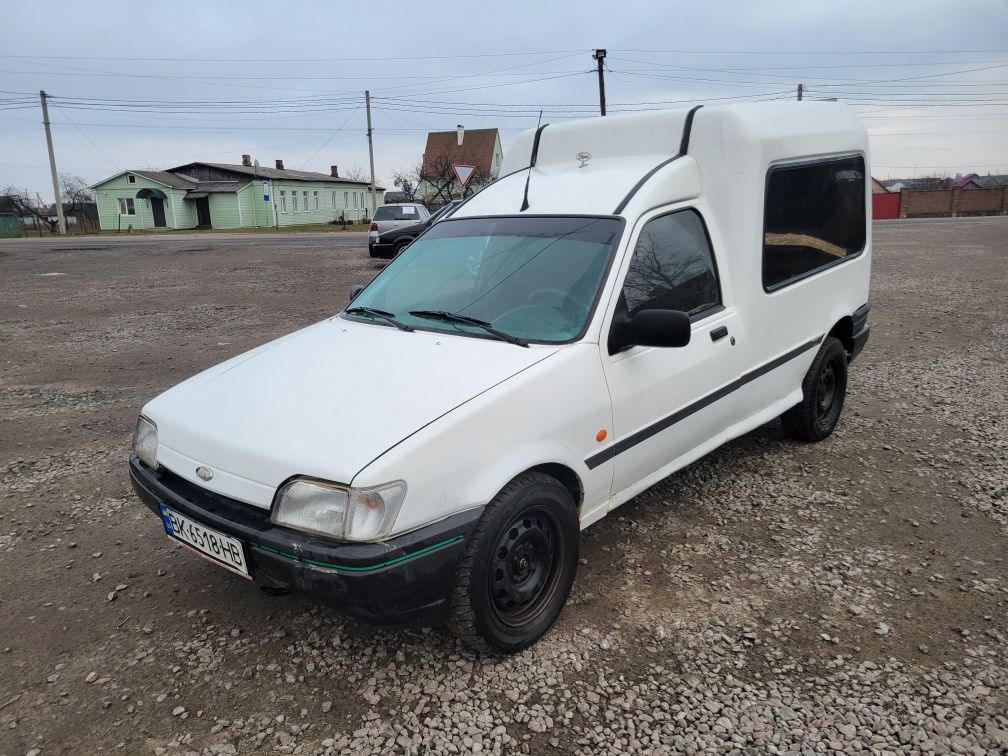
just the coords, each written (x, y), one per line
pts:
(566, 477)
(843, 331)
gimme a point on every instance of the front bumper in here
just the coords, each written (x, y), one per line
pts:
(405, 580)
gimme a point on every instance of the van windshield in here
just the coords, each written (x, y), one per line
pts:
(534, 278)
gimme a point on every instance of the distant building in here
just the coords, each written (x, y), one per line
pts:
(878, 187)
(480, 148)
(969, 181)
(223, 195)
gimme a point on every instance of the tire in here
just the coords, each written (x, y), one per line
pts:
(823, 390)
(518, 568)
(399, 248)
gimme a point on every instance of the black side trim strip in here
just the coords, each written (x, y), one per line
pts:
(667, 422)
(683, 147)
(532, 162)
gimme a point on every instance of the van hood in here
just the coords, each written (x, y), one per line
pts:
(323, 402)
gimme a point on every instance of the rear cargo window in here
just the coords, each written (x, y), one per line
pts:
(672, 267)
(814, 218)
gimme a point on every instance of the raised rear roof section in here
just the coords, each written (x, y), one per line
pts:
(594, 165)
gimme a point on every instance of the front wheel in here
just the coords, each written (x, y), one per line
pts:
(518, 568)
(823, 390)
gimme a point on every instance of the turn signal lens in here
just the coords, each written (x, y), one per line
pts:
(373, 511)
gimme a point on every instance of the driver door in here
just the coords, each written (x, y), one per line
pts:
(668, 402)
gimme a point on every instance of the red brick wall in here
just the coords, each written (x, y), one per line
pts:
(953, 202)
(915, 204)
(980, 201)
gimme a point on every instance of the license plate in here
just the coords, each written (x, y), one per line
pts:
(206, 542)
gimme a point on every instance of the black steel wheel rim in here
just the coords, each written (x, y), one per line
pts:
(827, 391)
(526, 566)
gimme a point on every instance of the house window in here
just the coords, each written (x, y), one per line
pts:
(814, 217)
(283, 201)
(672, 267)
(306, 202)
(355, 200)
(126, 206)
(316, 201)
(346, 199)
(294, 197)
(334, 200)
(130, 179)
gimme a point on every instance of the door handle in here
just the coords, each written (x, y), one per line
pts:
(719, 333)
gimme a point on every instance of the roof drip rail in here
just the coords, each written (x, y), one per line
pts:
(532, 162)
(683, 149)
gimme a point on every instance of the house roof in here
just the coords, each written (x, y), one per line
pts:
(161, 177)
(275, 173)
(477, 148)
(992, 180)
(969, 178)
(217, 187)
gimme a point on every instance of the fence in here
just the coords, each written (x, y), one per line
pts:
(11, 226)
(885, 206)
(953, 202)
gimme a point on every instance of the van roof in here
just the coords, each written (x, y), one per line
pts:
(597, 166)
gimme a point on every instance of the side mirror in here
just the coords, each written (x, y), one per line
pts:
(654, 328)
(356, 289)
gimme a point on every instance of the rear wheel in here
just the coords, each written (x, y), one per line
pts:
(519, 567)
(823, 390)
(400, 247)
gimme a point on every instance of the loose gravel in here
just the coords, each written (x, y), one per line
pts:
(844, 597)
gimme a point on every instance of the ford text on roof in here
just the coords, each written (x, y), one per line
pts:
(633, 292)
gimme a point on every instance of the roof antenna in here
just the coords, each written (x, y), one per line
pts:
(532, 161)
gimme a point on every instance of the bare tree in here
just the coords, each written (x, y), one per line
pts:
(440, 184)
(78, 201)
(408, 183)
(356, 173)
(27, 205)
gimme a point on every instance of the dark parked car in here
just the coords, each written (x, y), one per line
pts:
(390, 243)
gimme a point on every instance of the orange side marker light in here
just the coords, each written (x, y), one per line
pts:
(601, 435)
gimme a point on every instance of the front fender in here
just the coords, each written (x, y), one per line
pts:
(550, 413)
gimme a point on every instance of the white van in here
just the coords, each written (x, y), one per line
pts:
(633, 292)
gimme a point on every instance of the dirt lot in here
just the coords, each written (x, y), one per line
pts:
(849, 595)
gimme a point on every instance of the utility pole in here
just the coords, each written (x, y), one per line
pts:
(801, 91)
(370, 147)
(599, 56)
(52, 163)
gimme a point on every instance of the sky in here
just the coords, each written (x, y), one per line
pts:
(166, 84)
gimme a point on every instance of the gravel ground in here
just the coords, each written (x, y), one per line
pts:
(848, 596)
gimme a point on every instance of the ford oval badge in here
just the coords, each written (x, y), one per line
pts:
(204, 473)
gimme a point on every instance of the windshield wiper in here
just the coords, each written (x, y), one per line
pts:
(383, 314)
(453, 317)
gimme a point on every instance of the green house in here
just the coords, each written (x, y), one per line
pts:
(222, 195)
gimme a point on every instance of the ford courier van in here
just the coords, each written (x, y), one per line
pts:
(633, 292)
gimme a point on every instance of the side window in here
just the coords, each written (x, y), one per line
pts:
(672, 267)
(814, 217)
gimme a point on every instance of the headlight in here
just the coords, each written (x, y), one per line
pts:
(145, 441)
(357, 514)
